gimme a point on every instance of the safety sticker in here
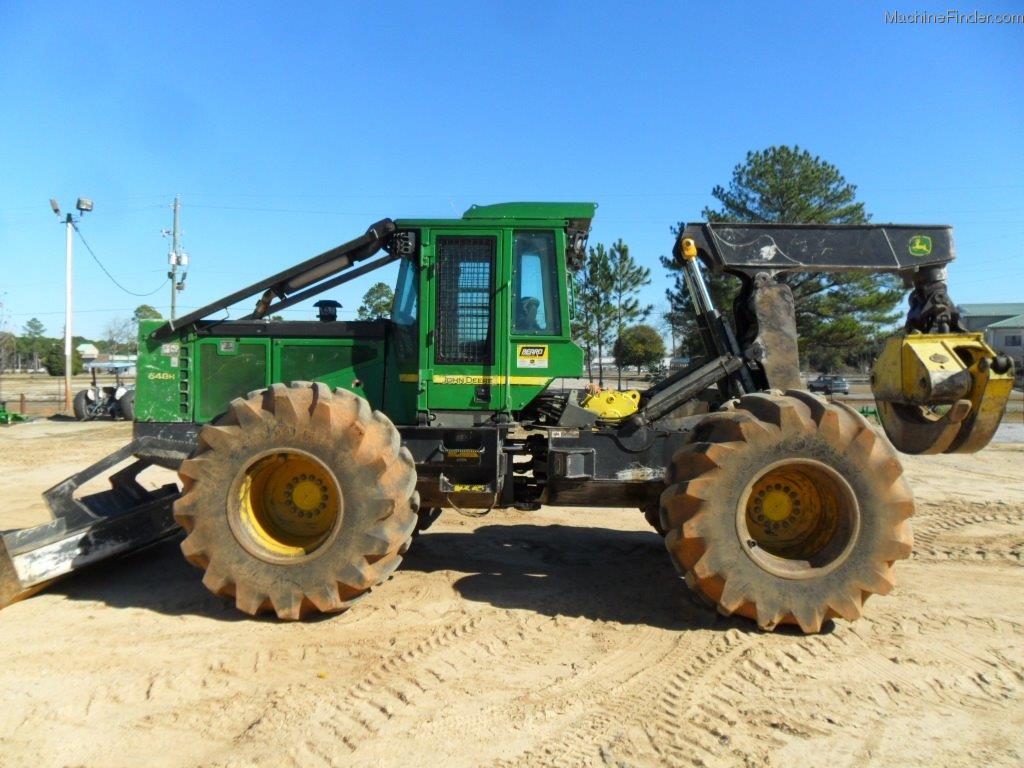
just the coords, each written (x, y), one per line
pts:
(532, 355)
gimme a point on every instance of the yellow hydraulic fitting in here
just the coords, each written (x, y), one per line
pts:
(689, 248)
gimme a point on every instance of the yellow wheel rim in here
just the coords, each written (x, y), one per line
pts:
(286, 504)
(801, 514)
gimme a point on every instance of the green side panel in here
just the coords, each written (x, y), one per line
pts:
(162, 376)
(564, 360)
(402, 384)
(353, 364)
(228, 368)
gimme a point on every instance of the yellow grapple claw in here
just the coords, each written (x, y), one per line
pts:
(940, 393)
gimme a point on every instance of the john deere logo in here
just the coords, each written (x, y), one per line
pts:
(920, 245)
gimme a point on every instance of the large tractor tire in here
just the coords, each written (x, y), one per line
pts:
(80, 405)
(127, 405)
(787, 509)
(297, 500)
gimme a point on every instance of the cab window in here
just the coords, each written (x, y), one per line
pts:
(535, 284)
(403, 310)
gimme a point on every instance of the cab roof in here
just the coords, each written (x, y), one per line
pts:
(532, 211)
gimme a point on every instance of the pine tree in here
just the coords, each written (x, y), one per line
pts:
(628, 278)
(595, 312)
(32, 333)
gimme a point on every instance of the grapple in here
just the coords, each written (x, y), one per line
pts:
(940, 393)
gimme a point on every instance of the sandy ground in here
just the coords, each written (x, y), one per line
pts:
(561, 637)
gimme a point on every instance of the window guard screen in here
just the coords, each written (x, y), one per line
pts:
(465, 299)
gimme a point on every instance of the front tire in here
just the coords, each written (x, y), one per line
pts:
(80, 405)
(298, 500)
(787, 510)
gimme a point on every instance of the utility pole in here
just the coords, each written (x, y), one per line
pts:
(84, 205)
(68, 354)
(176, 258)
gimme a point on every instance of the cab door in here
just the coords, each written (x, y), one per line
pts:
(466, 321)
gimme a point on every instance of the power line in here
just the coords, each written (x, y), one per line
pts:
(107, 272)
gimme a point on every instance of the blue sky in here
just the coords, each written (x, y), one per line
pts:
(289, 132)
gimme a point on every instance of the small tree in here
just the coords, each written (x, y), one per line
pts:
(53, 360)
(121, 335)
(639, 345)
(377, 302)
(32, 333)
(8, 350)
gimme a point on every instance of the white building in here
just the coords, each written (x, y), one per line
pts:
(1003, 325)
(87, 351)
(1007, 336)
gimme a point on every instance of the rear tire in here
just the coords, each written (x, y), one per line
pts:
(80, 405)
(787, 510)
(127, 405)
(298, 500)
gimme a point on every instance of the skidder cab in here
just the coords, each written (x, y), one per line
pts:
(310, 452)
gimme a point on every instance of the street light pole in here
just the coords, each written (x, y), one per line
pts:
(68, 226)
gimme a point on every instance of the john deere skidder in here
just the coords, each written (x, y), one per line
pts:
(310, 451)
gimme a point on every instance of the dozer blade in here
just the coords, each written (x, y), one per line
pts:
(941, 393)
(86, 530)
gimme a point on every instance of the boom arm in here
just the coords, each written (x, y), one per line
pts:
(300, 281)
(917, 252)
(822, 247)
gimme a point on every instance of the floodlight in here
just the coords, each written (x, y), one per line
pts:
(53, 204)
(84, 204)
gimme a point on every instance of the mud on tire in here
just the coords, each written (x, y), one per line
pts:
(298, 500)
(791, 459)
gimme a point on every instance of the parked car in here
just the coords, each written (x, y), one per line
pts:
(830, 385)
(117, 402)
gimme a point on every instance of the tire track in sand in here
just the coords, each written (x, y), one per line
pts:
(707, 708)
(395, 694)
(936, 524)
